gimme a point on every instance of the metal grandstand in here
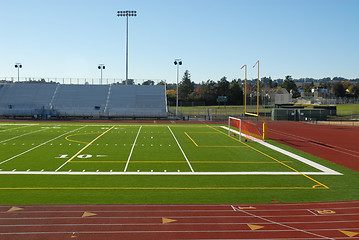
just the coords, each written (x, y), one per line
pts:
(55, 100)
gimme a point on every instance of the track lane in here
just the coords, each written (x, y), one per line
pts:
(279, 221)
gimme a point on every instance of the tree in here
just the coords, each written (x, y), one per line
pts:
(235, 94)
(128, 82)
(148, 82)
(356, 90)
(208, 92)
(222, 87)
(290, 85)
(162, 83)
(338, 89)
(186, 86)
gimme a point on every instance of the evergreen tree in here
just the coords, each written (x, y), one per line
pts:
(186, 87)
(235, 94)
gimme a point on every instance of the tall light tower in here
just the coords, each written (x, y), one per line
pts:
(101, 66)
(18, 66)
(177, 62)
(126, 14)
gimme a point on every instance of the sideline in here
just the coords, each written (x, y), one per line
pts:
(325, 170)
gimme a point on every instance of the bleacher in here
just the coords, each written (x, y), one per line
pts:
(80, 100)
(68, 100)
(25, 99)
(135, 101)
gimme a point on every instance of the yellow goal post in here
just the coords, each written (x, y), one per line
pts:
(245, 100)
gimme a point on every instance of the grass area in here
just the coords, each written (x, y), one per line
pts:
(118, 164)
(347, 109)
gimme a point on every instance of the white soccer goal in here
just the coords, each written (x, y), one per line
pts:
(247, 129)
(235, 123)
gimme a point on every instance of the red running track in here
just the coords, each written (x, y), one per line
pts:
(334, 220)
(338, 144)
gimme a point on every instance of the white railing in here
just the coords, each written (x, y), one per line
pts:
(92, 81)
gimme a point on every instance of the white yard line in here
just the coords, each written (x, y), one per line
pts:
(40, 145)
(292, 155)
(133, 146)
(27, 125)
(23, 135)
(189, 164)
(83, 148)
(162, 173)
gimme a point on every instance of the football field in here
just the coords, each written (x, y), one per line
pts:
(150, 157)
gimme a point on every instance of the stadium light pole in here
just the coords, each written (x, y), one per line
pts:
(177, 62)
(257, 63)
(126, 14)
(18, 66)
(101, 66)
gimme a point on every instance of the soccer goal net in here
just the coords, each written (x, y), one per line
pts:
(245, 130)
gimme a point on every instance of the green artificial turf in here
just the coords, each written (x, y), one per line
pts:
(158, 148)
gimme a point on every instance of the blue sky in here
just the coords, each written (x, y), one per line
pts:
(214, 38)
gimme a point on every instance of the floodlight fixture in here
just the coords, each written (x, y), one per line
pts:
(101, 66)
(177, 62)
(18, 66)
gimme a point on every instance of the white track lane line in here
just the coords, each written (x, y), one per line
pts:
(189, 164)
(312, 141)
(133, 146)
(22, 135)
(40, 145)
(277, 223)
(84, 148)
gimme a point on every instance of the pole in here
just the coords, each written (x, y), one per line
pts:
(245, 87)
(177, 90)
(18, 73)
(101, 75)
(126, 49)
(258, 91)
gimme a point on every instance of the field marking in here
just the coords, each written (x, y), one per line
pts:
(67, 137)
(26, 125)
(191, 139)
(157, 173)
(83, 148)
(210, 146)
(189, 164)
(133, 146)
(23, 135)
(304, 175)
(152, 188)
(222, 146)
(295, 156)
(237, 209)
(39, 145)
(174, 161)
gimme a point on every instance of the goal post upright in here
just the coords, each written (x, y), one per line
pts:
(245, 100)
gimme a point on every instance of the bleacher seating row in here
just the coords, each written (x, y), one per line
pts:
(67, 100)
